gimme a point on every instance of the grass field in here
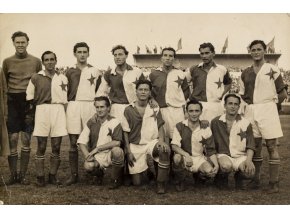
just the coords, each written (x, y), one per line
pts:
(85, 193)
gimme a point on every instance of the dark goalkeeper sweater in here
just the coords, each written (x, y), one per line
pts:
(18, 71)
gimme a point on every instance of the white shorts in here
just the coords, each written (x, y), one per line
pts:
(50, 120)
(171, 116)
(236, 161)
(211, 110)
(196, 163)
(117, 111)
(265, 120)
(104, 159)
(140, 153)
(77, 114)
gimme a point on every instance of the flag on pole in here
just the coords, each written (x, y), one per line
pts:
(270, 46)
(225, 45)
(155, 49)
(138, 49)
(179, 45)
(148, 50)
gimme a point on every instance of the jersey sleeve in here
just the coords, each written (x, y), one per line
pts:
(117, 133)
(279, 84)
(250, 144)
(227, 78)
(187, 75)
(210, 146)
(125, 123)
(98, 80)
(185, 88)
(30, 90)
(84, 136)
(103, 89)
(241, 86)
(176, 138)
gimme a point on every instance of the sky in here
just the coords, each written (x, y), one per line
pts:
(59, 33)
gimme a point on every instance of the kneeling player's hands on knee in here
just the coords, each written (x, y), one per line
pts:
(131, 159)
(163, 146)
(188, 161)
(215, 170)
(90, 158)
(249, 168)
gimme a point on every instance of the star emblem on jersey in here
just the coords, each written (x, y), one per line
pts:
(92, 79)
(219, 83)
(141, 77)
(203, 141)
(271, 74)
(242, 134)
(63, 86)
(110, 133)
(154, 115)
(136, 81)
(179, 81)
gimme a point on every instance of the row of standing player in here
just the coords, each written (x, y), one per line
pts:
(170, 90)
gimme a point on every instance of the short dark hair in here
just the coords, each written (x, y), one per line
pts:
(144, 81)
(81, 44)
(168, 49)
(119, 47)
(232, 95)
(48, 52)
(19, 34)
(103, 98)
(207, 45)
(255, 42)
(194, 101)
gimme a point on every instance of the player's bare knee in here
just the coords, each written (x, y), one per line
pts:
(226, 167)
(273, 150)
(25, 138)
(55, 144)
(206, 168)
(117, 153)
(55, 148)
(225, 164)
(73, 142)
(177, 159)
(13, 140)
(89, 166)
